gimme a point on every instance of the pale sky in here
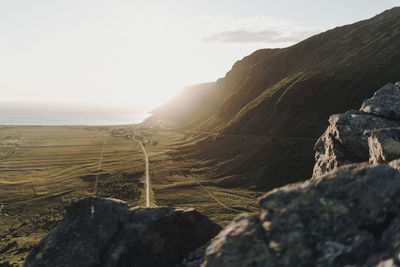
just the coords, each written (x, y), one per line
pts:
(140, 53)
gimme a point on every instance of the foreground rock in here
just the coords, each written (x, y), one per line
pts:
(344, 141)
(107, 232)
(349, 217)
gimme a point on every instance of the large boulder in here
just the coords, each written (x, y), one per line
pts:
(349, 217)
(107, 232)
(344, 141)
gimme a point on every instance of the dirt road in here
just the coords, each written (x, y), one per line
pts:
(147, 174)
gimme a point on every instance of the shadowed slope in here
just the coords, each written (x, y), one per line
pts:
(288, 94)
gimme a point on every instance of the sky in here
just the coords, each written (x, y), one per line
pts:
(138, 54)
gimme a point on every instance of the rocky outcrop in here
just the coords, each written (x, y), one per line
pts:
(354, 136)
(344, 216)
(107, 232)
(349, 217)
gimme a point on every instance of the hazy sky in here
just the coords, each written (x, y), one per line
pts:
(140, 53)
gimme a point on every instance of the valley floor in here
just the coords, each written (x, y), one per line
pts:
(43, 168)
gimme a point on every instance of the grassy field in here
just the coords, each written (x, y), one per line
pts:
(43, 168)
(182, 177)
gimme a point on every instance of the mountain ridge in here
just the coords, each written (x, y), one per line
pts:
(288, 95)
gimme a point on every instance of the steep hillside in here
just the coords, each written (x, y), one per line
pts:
(287, 95)
(301, 85)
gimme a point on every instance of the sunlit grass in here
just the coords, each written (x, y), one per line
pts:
(43, 168)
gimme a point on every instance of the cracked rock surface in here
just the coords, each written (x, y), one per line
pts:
(349, 217)
(107, 232)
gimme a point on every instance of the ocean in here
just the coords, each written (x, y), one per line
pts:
(39, 114)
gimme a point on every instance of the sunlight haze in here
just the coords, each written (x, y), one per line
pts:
(141, 53)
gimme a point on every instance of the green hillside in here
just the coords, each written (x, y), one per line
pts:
(286, 96)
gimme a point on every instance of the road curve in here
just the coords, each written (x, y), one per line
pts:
(147, 181)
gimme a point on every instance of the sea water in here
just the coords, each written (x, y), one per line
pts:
(38, 114)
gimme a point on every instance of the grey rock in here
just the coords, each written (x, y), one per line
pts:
(343, 218)
(384, 144)
(330, 154)
(385, 102)
(349, 128)
(107, 232)
(242, 243)
(348, 217)
(344, 141)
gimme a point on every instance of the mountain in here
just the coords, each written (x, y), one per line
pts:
(284, 97)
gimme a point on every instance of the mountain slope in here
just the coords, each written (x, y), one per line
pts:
(286, 95)
(324, 74)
